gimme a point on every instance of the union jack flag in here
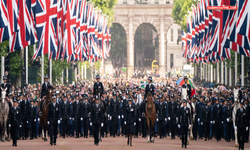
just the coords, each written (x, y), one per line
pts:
(184, 45)
(46, 25)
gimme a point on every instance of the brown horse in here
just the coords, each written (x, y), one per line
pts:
(150, 115)
(44, 117)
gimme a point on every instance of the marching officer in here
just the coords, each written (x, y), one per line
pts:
(185, 122)
(106, 114)
(228, 120)
(114, 114)
(161, 116)
(172, 118)
(137, 115)
(217, 114)
(32, 119)
(98, 86)
(86, 109)
(187, 86)
(143, 121)
(77, 115)
(96, 119)
(130, 121)
(15, 121)
(149, 87)
(5, 85)
(25, 117)
(205, 119)
(53, 119)
(64, 114)
(241, 125)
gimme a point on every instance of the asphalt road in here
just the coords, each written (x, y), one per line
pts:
(119, 143)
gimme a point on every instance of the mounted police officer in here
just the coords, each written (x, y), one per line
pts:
(96, 119)
(149, 87)
(187, 86)
(64, 114)
(46, 85)
(15, 121)
(53, 119)
(5, 85)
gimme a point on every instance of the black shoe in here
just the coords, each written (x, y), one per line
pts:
(54, 143)
(15, 144)
(185, 146)
(97, 144)
(51, 143)
(181, 146)
(205, 139)
(128, 143)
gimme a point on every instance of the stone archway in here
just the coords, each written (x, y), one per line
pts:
(132, 16)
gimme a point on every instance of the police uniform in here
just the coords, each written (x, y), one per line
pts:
(86, 108)
(218, 120)
(241, 125)
(105, 116)
(172, 112)
(130, 120)
(77, 117)
(137, 117)
(64, 115)
(15, 121)
(149, 88)
(98, 87)
(188, 87)
(25, 117)
(185, 123)
(205, 120)
(5, 86)
(228, 122)
(53, 120)
(114, 115)
(161, 116)
(32, 119)
(96, 121)
(45, 87)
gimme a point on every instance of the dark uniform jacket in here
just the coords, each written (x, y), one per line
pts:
(129, 116)
(206, 114)
(96, 114)
(188, 87)
(137, 111)
(53, 113)
(162, 108)
(98, 88)
(86, 109)
(77, 110)
(172, 109)
(185, 117)
(32, 113)
(25, 109)
(15, 116)
(228, 114)
(64, 110)
(217, 113)
(6, 85)
(241, 118)
(114, 108)
(45, 89)
(149, 89)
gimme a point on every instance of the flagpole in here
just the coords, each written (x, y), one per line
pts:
(2, 68)
(222, 74)
(82, 72)
(236, 68)
(85, 72)
(62, 77)
(242, 71)
(67, 76)
(212, 71)
(230, 77)
(42, 69)
(26, 64)
(217, 73)
(226, 74)
(50, 70)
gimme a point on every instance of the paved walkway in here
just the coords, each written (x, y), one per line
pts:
(119, 143)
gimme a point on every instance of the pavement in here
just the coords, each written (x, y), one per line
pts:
(119, 143)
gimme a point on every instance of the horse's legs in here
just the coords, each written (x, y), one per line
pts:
(236, 138)
(152, 136)
(191, 133)
(148, 123)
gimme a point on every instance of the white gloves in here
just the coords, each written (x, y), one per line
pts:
(246, 128)
(81, 118)
(176, 119)
(9, 125)
(73, 119)
(119, 117)
(108, 115)
(189, 126)
(38, 119)
(90, 124)
(101, 124)
(227, 119)
(221, 122)
(122, 116)
(20, 126)
(60, 118)
(58, 121)
(179, 126)
(157, 119)
(213, 122)
(235, 127)
(139, 119)
(125, 122)
(27, 121)
(48, 122)
(201, 123)
(34, 120)
(198, 119)
(134, 123)
(69, 118)
(110, 118)
(168, 118)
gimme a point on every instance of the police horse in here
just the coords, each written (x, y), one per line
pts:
(150, 114)
(4, 113)
(236, 107)
(190, 106)
(44, 116)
